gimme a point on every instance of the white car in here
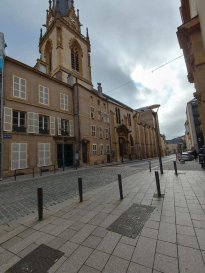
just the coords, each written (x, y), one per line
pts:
(185, 156)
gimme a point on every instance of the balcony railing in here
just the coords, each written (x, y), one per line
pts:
(43, 131)
(20, 129)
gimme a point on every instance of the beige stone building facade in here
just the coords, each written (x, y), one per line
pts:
(191, 36)
(53, 116)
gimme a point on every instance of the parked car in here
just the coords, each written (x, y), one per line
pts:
(186, 156)
(201, 155)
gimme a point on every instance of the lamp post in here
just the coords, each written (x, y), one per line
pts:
(155, 115)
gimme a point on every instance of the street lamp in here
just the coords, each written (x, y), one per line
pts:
(155, 115)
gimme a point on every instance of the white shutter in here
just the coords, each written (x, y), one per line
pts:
(30, 128)
(8, 119)
(52, 126)
(71, 128)
(32, 122)
(59, 126)
(36, 123)
(18, 156)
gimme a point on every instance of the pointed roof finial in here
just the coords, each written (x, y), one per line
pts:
(87, 34)
(78, 13)
(49, 4)
(72, 3)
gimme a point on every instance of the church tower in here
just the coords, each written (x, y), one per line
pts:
(64, 51)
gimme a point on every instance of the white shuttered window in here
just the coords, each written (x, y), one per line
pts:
(44, 154)
(64, 102)
(18, 156)
(8, 119)
(19, 87)
(43, 95)
(33, 122)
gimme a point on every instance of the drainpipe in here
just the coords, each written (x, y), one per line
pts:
(2, 55)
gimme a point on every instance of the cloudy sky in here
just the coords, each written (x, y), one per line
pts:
(129, 40)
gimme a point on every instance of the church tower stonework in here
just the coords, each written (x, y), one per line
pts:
(64, 51)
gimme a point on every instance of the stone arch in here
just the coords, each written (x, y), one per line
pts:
(76, 55)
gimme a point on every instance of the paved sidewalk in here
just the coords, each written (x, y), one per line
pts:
(171, 241)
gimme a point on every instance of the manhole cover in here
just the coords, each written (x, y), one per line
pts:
(37, 261)
(131, 222)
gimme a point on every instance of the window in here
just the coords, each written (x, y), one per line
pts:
(44, 155)
(93, 131)
(65, 127)
(106, 133)
(117, 112)
(108, 149)
(43, 125)
(104, 117)
(99, 115)
(18, 156)
(19, 87)
(43, 95)
(92, 112)
(129, 119)
(94, 149)
(64, 102)
(101, 149)
(42, 68)
(19, 121)
(75, 59)
(100, 132)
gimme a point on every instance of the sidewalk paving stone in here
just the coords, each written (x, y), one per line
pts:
(144, 252)
(133, 268)
(166, 264)
(167, 249)
(116, 265)
(190, 260)
(97, 260)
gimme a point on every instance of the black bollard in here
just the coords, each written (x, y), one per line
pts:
(175, 167)
(158, 184)
(120, 186)
(40, 203)
(80, 187)
(15, 175)
(54, 168)
(33, 173)
(150, 167)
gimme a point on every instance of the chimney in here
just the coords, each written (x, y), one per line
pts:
(2, 45)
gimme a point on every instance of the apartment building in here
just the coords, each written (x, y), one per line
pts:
(191, 36)
(52, 114)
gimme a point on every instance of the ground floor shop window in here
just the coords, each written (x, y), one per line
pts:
(18, 156)
(44, 154)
